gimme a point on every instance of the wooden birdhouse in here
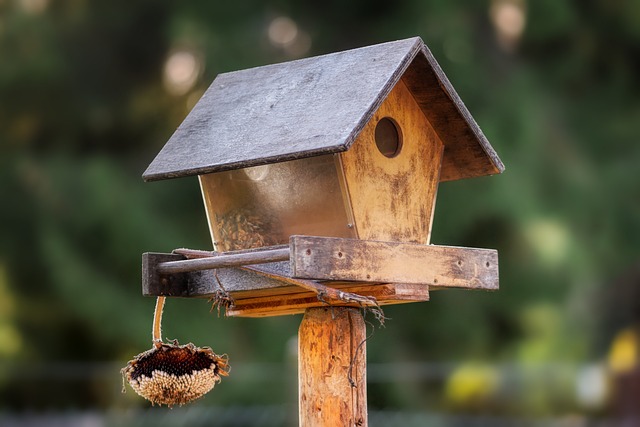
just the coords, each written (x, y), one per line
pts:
(350, 145)
(319, 179)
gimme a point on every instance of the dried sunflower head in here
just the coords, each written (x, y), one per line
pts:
(172, 374)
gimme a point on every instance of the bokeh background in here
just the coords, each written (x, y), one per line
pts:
(91, 90)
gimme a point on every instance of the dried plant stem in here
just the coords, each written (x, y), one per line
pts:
(157, 321)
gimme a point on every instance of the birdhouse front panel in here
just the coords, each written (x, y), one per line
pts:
(264, 205)
(392, 172)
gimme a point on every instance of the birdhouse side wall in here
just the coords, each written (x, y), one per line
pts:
(393, 199)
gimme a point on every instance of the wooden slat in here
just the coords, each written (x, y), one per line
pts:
(391, 272)
(152, 281)
(295, 303)
(426, 262)
(323, 258)
(265, 290)
(204, 284)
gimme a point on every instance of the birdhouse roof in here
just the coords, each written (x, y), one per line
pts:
(318, 106)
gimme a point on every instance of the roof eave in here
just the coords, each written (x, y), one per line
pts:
(467, 151)
(149, 175)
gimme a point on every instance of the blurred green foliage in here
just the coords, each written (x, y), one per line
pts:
(85, 105)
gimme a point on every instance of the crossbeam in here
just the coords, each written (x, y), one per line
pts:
(328, 258)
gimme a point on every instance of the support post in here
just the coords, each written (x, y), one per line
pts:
(331, 352)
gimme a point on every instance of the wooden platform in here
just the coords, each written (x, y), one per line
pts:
(391, 272)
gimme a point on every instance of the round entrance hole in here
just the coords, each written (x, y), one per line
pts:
(388, 137)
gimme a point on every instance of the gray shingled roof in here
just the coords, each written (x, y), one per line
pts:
(319, 106)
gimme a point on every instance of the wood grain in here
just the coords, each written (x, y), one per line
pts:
(224, 260)
(331, 351)
(204, 284)
(265, 290)
(297, 302)
(322, 258)
(467, 151)
(318, 106)
(393, 198)
(391, 272)
(283, 111)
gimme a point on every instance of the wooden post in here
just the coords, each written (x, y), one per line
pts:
(331, 352)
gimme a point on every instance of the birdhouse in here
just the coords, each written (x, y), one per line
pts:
(339, 157)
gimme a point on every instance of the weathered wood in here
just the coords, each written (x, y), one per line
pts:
(393, 198)
(332, 356)
(451, 120)
(390, 272)
(175, 285)
(275, 271)
(335, 260)
(283, 111)
(223, 260)
(267, 292)
(193, 253)
(203, 284)
(266, 279)
(268, 289)
(324, 258)
(296, 303)
(319, 106)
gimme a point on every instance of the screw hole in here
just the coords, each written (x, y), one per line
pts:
(368, 276)
(488, 264)
(435, 281)
(339, 254)
(308, 252)
(459, 263)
